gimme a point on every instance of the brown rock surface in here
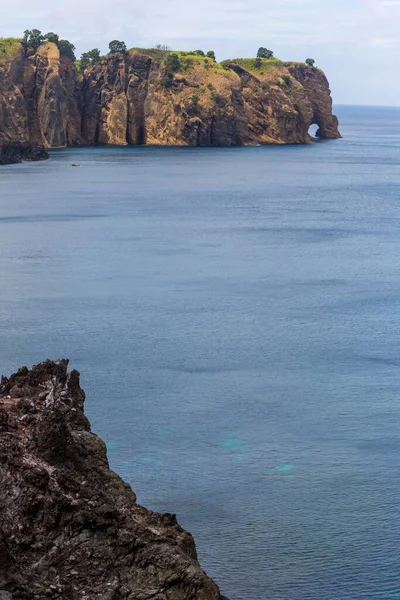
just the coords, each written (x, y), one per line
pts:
(316, 88)
(70, 527)
(124, 99)
(39, 98)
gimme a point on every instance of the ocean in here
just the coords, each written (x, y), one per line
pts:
(234, 314)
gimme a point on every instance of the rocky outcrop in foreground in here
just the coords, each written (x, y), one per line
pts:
(132, 98)
(70, 528)
(16, 152)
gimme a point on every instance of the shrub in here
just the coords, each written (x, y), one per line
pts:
(167, 80)
(310, 62)
(217, 99)
(172, 63)
(195, 99)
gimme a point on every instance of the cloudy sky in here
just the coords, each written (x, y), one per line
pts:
(357, 42)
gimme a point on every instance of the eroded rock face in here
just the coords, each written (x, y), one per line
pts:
(40, 99)
(316, 88)
(105, 106)
(123, 99)
(70, 528)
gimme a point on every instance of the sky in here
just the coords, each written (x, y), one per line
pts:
(356, 42)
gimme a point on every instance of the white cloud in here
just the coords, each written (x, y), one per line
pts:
(354, 41)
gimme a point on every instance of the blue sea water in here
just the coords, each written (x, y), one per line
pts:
(235, 317)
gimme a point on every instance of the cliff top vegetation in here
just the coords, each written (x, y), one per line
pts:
(174, 61)
(9, 46)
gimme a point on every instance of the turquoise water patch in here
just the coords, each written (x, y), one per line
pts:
(112, 446)
(286, 470)
(231, 444)
(163, 430)
(305, 453)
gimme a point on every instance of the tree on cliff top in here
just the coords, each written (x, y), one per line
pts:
(211, 54)
(117, 46)
(33, 38)
(67, 49)
(310, 62)
(264, 53)
(52, 37)
(89, 58)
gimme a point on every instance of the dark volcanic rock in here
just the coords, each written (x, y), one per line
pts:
(70, 528)
(16, 152)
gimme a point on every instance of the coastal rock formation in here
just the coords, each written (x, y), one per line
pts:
(133, 98)
(16, 152)
(39, 98)
(70, 528)
(126, 101)
(316, 88)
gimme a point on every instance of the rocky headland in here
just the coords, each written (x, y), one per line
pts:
(135, 98)
(70, 528)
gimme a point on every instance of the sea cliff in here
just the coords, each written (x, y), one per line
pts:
(70, 528)
(132, 98)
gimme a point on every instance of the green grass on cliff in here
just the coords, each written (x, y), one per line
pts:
(293, 63)
(265, 68)
(250, 64)
(9, 46)
(188, 60)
